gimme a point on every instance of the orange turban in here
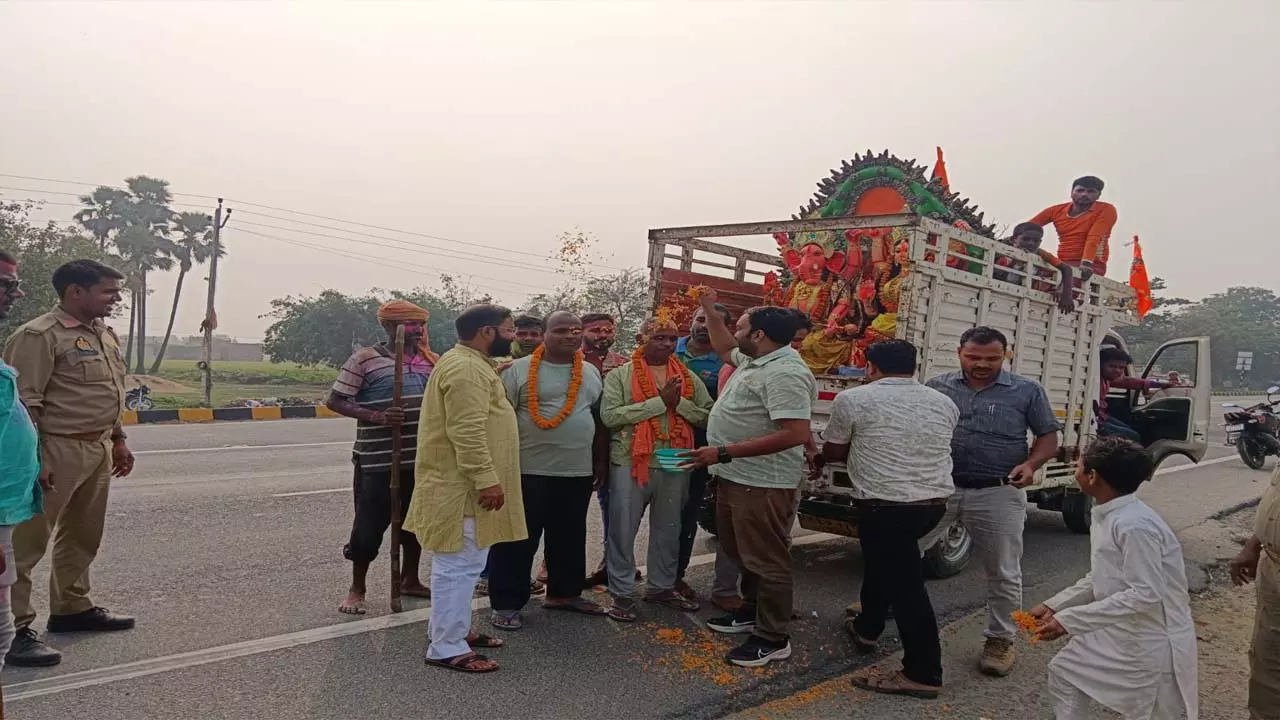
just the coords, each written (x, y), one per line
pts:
(399, 311)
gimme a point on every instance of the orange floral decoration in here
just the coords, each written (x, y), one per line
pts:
(571, 401)
(641, 370)
(1027, 623)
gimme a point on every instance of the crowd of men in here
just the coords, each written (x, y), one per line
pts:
(507, 436)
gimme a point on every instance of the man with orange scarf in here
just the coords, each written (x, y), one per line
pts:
(650, 404)
(363, 391)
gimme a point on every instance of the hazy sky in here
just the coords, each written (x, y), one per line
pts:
(499, 125)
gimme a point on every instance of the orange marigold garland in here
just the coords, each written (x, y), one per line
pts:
(641, 370)
(575, 384)
(1027, 623)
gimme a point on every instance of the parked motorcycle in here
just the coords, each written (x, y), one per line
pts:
(139, 398)
(1254, 430)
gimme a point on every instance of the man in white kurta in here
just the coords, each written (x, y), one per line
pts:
(1133, 643)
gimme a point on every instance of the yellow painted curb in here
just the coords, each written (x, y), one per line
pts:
(195, 415)
(130, 417)
(265, 413)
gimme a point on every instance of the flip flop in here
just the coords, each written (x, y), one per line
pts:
(463, 663)
(582, 606)
(881, 684)
(484, 642)
(861, 644)
(357, 609)
(623, 612)
(673, 600)
(418, 592)
(509, 620)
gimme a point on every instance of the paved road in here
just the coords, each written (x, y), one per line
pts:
(226, 544)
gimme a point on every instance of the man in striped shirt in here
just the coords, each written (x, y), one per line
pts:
(363, 391)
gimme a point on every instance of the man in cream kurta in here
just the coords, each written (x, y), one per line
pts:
(1133, 643)
(468, 495)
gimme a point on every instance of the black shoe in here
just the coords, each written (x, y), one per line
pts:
(738, 622)
(758, 652)
(92, 620)
(28, 651)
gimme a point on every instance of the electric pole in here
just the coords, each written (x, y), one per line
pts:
(210, 316)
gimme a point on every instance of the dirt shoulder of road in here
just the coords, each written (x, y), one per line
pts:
(1224, 623)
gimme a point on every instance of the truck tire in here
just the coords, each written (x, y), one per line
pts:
(950, 554)
(1077, 511)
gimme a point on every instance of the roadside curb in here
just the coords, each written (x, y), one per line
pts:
(205, 415)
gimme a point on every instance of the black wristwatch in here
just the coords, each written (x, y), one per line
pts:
(724, 455)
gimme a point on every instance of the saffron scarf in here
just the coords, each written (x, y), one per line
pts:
(646, 435)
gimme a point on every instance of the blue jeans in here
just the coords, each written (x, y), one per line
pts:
(1117, 428)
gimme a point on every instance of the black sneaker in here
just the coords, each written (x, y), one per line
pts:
(92, 620)
(28, 651)
(739, 622)
(758, 652)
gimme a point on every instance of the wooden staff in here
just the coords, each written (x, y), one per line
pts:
(396, 451)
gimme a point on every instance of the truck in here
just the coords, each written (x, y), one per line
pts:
(942, 296)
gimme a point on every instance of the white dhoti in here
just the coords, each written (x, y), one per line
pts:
(453, 586)
(1071, 702)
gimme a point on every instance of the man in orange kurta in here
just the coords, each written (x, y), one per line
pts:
(1083, 226)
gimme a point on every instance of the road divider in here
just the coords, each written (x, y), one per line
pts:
(204, 415)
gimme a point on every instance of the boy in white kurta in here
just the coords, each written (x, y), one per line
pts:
(1133, 643)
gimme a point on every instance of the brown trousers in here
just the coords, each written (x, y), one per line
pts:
(753, 526)
(1264, 655)
(74, 514)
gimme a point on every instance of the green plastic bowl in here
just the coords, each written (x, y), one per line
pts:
(670, 459)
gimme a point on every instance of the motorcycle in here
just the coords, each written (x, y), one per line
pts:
(1253, 430)
(139, 398)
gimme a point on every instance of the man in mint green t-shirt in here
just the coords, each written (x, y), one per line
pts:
(556, 463)
(21, 497)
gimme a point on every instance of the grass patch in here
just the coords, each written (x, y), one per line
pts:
(226, 395)
(249, 373)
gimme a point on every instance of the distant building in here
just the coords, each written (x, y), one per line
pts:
(192, 348)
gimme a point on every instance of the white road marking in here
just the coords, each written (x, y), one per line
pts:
(1193, 466)
(179, 451)
(312, 492)
(154, 666)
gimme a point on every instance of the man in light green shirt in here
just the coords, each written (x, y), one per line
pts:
(676, 401)
(556, 478)
(756, 436)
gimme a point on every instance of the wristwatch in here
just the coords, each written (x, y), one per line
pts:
(724, 455)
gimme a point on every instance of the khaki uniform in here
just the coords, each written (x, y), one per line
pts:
(72, 379)
(1264, 656)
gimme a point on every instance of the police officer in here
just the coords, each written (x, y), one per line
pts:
(71, 379)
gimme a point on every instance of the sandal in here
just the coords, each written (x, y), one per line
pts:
(582, 606)
(623, 611)
(536, 588)
(482, 588)
(861, 644)
(673, 600)
(685, 590)
(485, 642)
(509, 620)
(896, 684)
(464, 663)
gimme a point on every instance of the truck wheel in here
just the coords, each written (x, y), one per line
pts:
(950, 554)
(1077, 511)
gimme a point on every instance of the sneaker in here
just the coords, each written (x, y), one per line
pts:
(997, 657)
(28, 651)
(739, 622)
(758, 652)
(94, 619)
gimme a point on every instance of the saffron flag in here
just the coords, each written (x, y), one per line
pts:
(940, 172)
(1139, 281)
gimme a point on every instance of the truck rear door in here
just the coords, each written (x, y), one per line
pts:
(1175, 421)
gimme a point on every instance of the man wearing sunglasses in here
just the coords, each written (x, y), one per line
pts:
(21, 496)
(363, 391)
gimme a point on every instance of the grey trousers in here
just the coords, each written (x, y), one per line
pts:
(664, 495)
(994, 518)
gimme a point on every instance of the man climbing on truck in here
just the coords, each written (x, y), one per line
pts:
(1083, 226)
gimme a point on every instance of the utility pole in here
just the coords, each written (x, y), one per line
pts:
(210, 316)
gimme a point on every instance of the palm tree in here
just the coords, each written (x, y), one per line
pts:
(195, 247)
(104, 212)
(146, 252)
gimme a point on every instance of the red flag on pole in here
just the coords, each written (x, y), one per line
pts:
(1139, 281)
(940, 172)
